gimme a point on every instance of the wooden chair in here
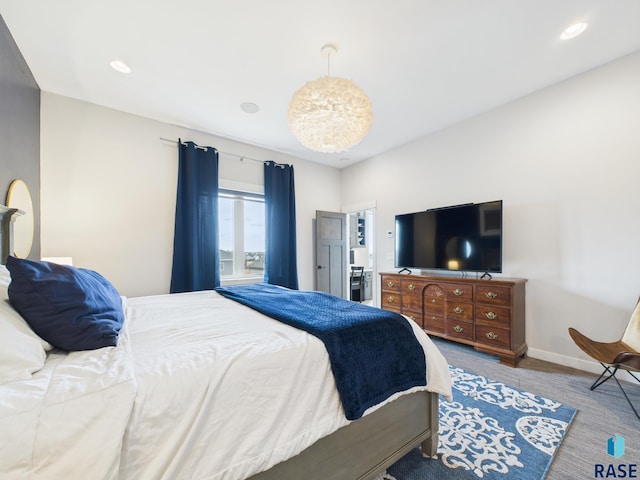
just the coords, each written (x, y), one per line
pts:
(613, 356)
(357, 283)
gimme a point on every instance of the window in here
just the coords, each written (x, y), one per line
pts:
(242, 234)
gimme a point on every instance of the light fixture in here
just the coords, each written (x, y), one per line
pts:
(330, 114)
(120, 66)
(574, 30)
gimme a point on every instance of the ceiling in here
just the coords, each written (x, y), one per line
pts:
(425, 64)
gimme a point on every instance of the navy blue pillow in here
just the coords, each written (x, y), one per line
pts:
(71, 308)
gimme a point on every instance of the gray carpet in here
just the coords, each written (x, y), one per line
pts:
(601, 413)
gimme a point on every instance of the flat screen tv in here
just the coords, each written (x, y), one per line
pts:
(466, 238)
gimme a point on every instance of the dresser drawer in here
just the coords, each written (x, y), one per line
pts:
(459, 310)
(412, 287)
(434, 291)
(492, 315)
(460, 292)
(413, 315)
(434, 299)
(412, 302)
(434, 304)
(493, 295)
(391, 301)
(460, 330)
(496, 337)
(434, 323)
(390, 284)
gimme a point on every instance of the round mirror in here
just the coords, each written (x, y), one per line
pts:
(19, 197)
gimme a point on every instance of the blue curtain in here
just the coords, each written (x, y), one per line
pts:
(281, 266)
(195, 241)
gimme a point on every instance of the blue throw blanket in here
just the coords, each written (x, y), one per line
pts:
(373, 352)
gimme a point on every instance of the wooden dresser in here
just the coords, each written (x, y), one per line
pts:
(488, 314)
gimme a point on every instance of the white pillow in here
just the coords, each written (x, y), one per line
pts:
(21, 350)
(5, 280)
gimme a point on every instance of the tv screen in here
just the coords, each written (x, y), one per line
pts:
(462, 237)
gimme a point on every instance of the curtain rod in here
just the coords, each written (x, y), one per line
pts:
(241, 157)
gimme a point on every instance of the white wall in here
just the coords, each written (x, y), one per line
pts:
(108, 191)
(566, 163)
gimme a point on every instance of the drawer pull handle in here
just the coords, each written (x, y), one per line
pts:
(458, 329)
(391, 299)
(458, 310)
(492, 336)
(491, 295)
(433, 318)
(412, 318)
(458, 292)
(390, 284)
(433, 301)
(411, 286)
(491, 315)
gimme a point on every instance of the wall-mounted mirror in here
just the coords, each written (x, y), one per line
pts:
(19, 197)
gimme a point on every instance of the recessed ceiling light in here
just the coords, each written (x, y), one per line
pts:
(574, 30)
(120, 66)
(249, 107)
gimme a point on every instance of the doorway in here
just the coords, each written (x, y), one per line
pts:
(362, 253)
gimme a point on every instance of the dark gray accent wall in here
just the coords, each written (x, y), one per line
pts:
(19, 126)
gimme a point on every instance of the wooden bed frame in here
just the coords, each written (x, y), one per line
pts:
(366, 447)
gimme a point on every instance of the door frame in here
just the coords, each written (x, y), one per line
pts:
(369, 205)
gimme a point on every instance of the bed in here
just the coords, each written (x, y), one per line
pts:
(196, 386)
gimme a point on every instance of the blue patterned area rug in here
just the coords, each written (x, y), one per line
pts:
(490, 431)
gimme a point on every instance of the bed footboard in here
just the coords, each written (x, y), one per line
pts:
(367, 446)
(430, 445)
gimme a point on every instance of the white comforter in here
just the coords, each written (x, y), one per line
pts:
(198, 387)
(70, 417)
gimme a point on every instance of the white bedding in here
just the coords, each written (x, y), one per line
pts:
(69, 417)
(198, 387)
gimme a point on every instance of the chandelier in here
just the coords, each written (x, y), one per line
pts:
(330, 114)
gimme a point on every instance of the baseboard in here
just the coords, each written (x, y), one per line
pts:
(577, 363)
